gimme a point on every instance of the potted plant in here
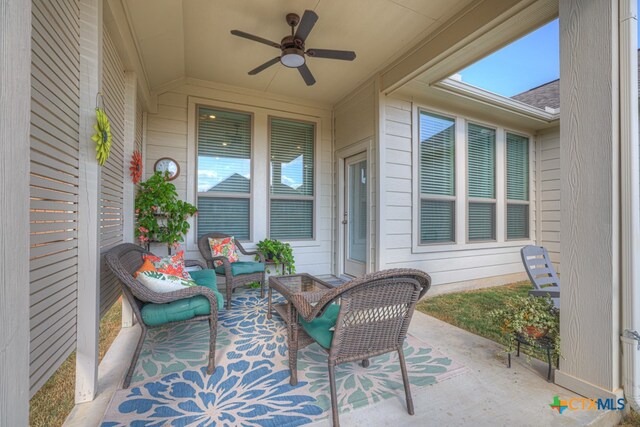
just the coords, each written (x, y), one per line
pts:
(161, 216)
(277, 252)
(529, 318)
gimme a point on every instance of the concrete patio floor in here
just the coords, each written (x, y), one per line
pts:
(487, 394)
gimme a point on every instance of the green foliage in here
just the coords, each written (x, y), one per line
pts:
(278, 252)
(522, 314)
(161, 216)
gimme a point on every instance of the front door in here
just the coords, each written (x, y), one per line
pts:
(355, 215)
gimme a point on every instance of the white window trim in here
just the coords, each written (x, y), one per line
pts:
(461, 186)
(532, 188)
(218, 194)
(498, 176)
(259, 225)
(437, 197)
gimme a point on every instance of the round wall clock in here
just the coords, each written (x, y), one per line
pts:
(167, 164)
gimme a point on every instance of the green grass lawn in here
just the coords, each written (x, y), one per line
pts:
(468, 310)
(51, 405)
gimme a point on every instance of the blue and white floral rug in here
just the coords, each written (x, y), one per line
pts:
(250, 386)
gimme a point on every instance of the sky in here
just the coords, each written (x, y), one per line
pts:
(524, 64)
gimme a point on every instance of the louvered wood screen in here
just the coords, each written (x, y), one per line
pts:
(53, 186)
(112, 173)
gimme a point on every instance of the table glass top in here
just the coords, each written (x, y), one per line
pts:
(300, 283)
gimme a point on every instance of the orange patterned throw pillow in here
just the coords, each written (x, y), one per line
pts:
(146, 266)
(224, 246)
(172, 265)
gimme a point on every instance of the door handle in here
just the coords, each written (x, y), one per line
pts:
(344, 221)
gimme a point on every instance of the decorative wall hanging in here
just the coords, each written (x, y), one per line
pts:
(167, 167)
(136, 167)
(102, 138)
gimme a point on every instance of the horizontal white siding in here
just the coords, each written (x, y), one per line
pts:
(549, 193)
(468, 261)
(167, 136)
(355, 121)
(54, 186)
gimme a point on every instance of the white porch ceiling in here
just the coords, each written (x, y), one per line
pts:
(191, 39)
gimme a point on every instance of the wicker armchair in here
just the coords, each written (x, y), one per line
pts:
(232, 281)
(124, 260)
(372, 319)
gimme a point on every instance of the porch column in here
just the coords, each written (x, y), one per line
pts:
(15, 107)
(130, 99)
(88, 204)
(590, 187)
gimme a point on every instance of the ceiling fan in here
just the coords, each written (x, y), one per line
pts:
(293, 47)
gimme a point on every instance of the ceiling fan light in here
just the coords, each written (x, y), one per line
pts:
(292, 58)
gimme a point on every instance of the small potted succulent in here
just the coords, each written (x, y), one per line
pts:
(160, 215)
(277, 252)
(529, 318)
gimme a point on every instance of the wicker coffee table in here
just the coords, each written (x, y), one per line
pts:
(299, 290)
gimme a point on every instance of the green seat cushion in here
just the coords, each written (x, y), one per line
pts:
(242, 267)
(320, 328)
(205, 278)
(184, 309)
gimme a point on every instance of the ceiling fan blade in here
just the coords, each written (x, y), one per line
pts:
(306, 75)
(255, 38)
(345, 55)
(264, 66)
(307, 22)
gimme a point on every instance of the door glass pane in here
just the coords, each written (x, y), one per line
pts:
(357, 214)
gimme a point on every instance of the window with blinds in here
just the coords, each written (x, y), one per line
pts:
(224, 172)
(517, 186)
(437, 179)
(481, 183)
(292, 179)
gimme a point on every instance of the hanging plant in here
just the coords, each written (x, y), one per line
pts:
(136, 167)
(102, 138)
(160, 214)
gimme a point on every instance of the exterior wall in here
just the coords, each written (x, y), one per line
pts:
(445, 263)
(171, 133)
(548, 151)
(355, 131)
(53, 187)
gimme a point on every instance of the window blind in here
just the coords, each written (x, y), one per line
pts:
(482, 220)
(224, 151)
(517, 221)
(437, 137)
(517, 186)
(481, 160)
(291, 219)
(292, 179)
(437, 178)
(224, 169)
(224, 215)
(517, 167)
(437, 221)
(481, 147)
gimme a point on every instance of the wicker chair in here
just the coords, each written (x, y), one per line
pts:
(372, 319)
(124, 260)
(231, 281)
